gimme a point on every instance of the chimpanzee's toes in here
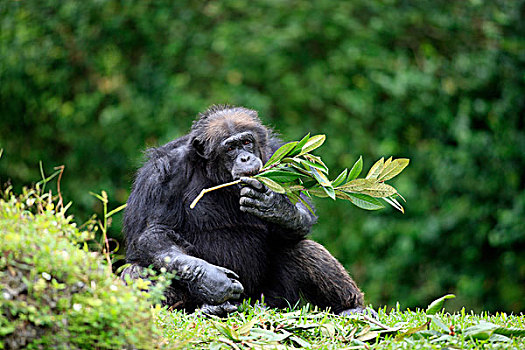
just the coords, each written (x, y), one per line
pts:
(221, 310)
(359, 310)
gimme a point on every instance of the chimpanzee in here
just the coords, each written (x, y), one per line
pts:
(239, 242)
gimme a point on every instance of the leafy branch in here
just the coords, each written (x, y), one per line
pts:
(292, 170)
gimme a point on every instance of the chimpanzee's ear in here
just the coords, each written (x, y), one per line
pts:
(198, 146)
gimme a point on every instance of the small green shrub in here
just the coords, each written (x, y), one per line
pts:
(56, 293)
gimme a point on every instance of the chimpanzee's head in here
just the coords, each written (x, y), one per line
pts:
(231, 140)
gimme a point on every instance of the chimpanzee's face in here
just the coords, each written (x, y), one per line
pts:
(232, 143)
(240, 154)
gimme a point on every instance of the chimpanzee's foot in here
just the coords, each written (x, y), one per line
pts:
(220, 310)
(359, 310)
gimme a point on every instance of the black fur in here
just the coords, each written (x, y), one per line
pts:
(273, 259)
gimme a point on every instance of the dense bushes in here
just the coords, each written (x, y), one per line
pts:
(56, 295)
(89, 84)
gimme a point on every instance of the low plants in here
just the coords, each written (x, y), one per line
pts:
(54, 291)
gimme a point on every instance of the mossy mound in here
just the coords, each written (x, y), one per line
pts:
(54, 294)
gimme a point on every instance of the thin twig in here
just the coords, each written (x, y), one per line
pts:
(206, 190)
(377, 323)
(60, 203)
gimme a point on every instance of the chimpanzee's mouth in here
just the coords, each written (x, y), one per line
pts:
(237, 176)
(251, 173)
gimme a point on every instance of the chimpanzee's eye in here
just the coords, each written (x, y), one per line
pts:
(246, 142)
(229, 149)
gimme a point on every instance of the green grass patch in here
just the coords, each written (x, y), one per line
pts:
(260, 328)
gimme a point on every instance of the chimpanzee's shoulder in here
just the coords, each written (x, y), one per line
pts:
(166, 161)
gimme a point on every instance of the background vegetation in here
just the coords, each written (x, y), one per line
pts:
(90, 84)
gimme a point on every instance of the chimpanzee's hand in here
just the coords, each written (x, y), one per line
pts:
(260, 201)
(213, 284)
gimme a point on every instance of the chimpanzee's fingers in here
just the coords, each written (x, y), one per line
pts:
(210, 310)
(237, 289)
(228, 272)
(217, 310)
(228, 307)
(253, 183)
(253, 203)
(251, 210)
(250, 192)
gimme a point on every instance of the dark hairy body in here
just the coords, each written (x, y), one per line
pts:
(239, 242)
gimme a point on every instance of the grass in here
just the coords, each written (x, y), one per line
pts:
(255, 327)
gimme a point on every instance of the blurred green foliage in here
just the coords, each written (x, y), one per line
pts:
(90, 84)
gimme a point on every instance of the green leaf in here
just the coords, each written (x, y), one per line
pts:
(281, 152)
(499, 338)
(225, 330)
(319, 167)
(301, 342)
(297, 165)
(375, 170)
(306, 204)
(309, 182)
(246, 328)
(368, 336)
(356, 169)
(320, 177)
(379, 190)
(435, 306)
(482, 330)
(313, 143)
(393, 202)
(317, 192)
(393, 169)
(281, 175)
(387, 162)
(272, 185)
(510, 331)
(485, 330)
(295, 188)
(369, 187)
(362, 201)
(436, 321)
(315, 159)
(293, 197)
(411, 331)
(298, 148)
(270, 336)
(356, 185)
(329, 191)
(340, 179)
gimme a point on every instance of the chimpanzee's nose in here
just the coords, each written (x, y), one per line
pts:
(245, 158)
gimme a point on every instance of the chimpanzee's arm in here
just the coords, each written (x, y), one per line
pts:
(152, 215)
(213, 284)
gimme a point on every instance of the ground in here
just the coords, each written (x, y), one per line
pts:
(256, 327)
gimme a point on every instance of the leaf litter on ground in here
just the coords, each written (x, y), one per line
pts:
(255, 327)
